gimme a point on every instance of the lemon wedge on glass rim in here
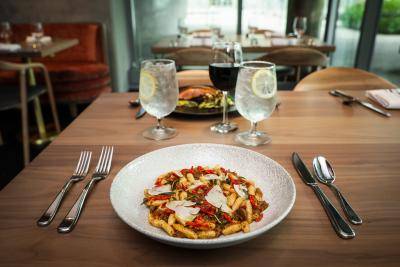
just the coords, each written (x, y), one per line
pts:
(263, 84)
(147, 85)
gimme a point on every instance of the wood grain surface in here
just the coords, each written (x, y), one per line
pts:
(27, 50)
(363, 147)
(342, 78)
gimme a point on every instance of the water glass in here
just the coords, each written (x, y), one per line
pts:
(255, 98)
(300, 26)
(158, 93)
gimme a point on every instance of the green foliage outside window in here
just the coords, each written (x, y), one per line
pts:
(389, 22)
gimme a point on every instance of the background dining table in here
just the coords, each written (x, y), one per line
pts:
(27, 54)
(363, 147)
(263, 44)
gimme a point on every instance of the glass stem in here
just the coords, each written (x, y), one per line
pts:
(224, 106)
(159, 123)
(253, 129)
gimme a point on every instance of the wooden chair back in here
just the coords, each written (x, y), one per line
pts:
(193, 57)
(297, 57)
(343, 79)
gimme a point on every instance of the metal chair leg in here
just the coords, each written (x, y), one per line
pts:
(52, 101)
(24, 117)
(39, 118)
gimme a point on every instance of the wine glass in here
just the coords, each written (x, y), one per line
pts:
(5, 33)
(158, 94)
(255, 98)
(300, 26)
(223, 71)
(182, 26)
(38, 32)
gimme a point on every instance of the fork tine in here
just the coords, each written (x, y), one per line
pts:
(82, 163)
(105, 159)
(82, 169)
(100, 159)
(79, 162)
(110, 160)
(88, 162)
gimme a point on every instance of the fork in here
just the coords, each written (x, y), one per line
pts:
(102, 170)
(79, 174)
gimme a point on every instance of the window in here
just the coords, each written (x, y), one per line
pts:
(201, 14)
(263, 14)
(386, 55)
(347, 33)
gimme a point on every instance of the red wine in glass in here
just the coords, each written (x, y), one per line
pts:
(224, 75)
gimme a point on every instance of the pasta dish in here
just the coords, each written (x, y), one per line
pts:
(202, 202)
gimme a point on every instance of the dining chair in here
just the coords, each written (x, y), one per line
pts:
(193, 57)
(193, 77)
(297, 57)
(343, 78)
(13, 97)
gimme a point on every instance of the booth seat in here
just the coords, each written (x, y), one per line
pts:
(78, 74)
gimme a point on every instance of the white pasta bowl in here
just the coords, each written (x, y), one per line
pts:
(126, 191)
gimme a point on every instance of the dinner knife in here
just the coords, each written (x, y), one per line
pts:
(363, 103)
(339, 224)
(140, 113)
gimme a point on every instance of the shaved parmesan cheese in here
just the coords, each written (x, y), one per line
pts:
(216, 198)
(241, 190)
(178, 173)
(196, 183)
(214, 177)
(186, 214)
(176, 203)
(160, 190)
(182, 209)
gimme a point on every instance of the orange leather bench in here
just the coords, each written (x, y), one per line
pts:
(78, 74)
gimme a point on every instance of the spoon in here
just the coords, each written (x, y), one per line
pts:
(134, 103)
(326, 175)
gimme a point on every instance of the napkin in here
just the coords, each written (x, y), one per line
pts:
(10, 47)
(43, 40)
(388, 98)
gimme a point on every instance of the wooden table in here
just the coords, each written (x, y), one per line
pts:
(169, 44)
(363, 147)
(28, 51)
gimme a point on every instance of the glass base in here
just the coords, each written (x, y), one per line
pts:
(253, 138)
(224, 128)
(159, 133)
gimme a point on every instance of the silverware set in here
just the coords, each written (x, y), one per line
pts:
(101, 171)
(326, 175)
(349, 100)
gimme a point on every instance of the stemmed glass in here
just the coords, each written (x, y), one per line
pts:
(182, 26)
(300, 26)
(158, 93)
(223, 71)
(37, 33)
(5, 33)
(255, 98)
